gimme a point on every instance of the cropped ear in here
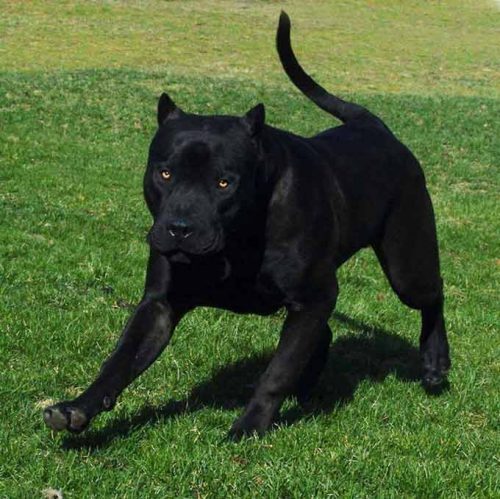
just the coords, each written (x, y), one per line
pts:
(255, 119)
(167, 109)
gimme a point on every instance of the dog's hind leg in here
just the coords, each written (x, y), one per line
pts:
(311, 373)
(434, 345)
(408, 253)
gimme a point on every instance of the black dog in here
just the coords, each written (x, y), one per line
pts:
(250, 218)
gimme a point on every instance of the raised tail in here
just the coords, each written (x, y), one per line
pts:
(344, 111)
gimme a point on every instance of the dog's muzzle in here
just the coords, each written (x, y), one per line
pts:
(179, 236)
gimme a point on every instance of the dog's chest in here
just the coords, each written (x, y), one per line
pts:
(244, 296)
(231, 283)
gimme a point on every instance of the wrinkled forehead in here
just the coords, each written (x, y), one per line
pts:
(195, 147)
(200, 139)
(185, 145)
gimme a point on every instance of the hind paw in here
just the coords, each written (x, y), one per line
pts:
(435, 368)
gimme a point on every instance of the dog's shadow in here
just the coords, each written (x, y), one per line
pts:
(370, 353)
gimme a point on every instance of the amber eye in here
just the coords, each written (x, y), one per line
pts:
(223, 183)
(166, 175)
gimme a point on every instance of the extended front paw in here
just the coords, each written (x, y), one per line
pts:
(64, 416)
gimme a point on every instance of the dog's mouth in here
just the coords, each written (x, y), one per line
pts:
(179, 257)
(214, 246)
(185, 250)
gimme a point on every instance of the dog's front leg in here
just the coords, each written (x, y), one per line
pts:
(301, 334)
(145, 336)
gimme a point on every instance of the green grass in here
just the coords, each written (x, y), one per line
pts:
(445, 46)
(73, 146)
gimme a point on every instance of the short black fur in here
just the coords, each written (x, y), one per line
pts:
(251, 218)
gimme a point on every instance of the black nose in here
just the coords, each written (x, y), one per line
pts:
(179, 229)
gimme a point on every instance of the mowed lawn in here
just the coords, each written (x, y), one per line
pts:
(78, 90)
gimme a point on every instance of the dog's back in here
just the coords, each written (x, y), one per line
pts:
(370, 165)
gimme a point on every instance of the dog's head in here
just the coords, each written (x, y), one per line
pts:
(200, 180)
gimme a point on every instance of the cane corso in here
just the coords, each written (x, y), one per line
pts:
(250, 218)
